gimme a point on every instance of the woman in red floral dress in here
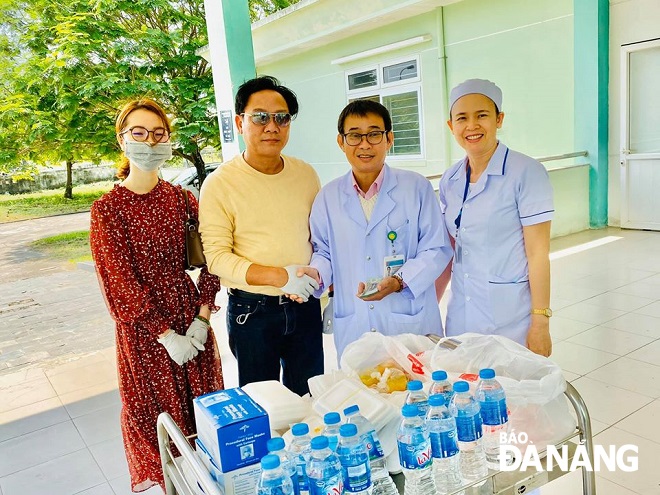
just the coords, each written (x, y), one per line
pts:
(166, 351)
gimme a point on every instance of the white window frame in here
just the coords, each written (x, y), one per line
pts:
(382, 89)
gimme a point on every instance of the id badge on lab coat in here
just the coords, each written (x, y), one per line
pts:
(392, 264)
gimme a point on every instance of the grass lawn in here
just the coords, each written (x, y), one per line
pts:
(72, 246)
(50, 202)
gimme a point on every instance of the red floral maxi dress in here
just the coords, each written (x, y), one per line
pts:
(138, 245)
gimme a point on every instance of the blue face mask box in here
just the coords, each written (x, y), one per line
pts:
(233, 428)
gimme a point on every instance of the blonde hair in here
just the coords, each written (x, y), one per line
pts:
(145, 104)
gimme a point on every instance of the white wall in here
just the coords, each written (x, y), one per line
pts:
(630, 21)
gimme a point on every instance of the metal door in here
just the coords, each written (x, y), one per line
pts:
(640, 135)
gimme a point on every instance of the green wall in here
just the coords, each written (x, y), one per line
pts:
(320, 87)
(526, 47)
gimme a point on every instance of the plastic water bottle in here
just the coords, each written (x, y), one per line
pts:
(415, 452)
(301, 449)
(417, 396)
(494, 415)
(324, 469)
(288, 463)
(441, 385)
(354, 459)
(332, 422)
(273, 481)
(382, 483)
(466, 410)
(442, 430)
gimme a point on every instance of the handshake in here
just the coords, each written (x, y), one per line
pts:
(302, 282)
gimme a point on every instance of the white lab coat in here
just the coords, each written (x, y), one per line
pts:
(349, 250)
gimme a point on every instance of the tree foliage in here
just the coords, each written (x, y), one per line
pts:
(71, 65)
(262, 8)
(76, 62)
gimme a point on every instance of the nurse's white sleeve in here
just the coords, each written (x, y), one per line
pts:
(535, 196)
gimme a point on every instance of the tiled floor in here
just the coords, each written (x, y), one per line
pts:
(59, 430)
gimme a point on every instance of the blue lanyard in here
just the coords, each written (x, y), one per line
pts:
(457, 221)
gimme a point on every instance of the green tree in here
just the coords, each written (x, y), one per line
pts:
(83, 58)
(72, 64)
(262, 8)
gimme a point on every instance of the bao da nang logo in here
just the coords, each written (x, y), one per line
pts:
(516, 455)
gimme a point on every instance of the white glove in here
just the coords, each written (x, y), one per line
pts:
(198, 330)
(302, 287)
(181, 348)
(328, 311)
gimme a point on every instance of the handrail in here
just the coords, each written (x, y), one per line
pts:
(574, 154)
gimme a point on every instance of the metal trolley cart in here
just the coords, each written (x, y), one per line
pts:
(175, 482)
(496, 483)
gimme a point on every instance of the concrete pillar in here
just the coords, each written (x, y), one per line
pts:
(232, 62)
(591, 76)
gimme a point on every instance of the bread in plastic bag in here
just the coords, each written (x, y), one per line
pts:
(373, 349)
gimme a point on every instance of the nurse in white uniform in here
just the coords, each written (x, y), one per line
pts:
(498, 207)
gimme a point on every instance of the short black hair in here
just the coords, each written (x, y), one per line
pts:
(263, 83)
(361, 108)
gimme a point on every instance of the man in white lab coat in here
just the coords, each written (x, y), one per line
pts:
(377, 236)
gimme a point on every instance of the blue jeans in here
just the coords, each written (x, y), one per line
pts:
(268, 333)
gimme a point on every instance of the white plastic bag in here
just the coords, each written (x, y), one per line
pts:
(374, 348)
(410, 352)
(534, 385)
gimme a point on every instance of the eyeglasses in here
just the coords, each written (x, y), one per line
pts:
(263, 118)
(355, 138)
(141, 134)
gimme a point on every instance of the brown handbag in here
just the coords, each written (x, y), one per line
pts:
(194, 250)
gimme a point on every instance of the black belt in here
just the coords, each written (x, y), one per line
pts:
(263, 298)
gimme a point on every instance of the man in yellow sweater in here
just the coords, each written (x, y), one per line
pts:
(254, 221)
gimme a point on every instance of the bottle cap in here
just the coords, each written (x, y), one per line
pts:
(348, 430)
(320, 442)
(439, 375)
(331, 418)
(275, 443)
(410, 411)
(487, 373)
(435, 400)
(300, 429)
(461, 386)
(414, 385)
(351, 409)
(270, 461)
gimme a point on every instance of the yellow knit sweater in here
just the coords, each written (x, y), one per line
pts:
(249, 217)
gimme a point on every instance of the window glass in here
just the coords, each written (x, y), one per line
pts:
(400, 71)
(360, 80)
(404, 109)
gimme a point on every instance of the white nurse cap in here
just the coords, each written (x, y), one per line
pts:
(476, 86)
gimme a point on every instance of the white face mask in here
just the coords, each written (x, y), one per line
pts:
(146, 157)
